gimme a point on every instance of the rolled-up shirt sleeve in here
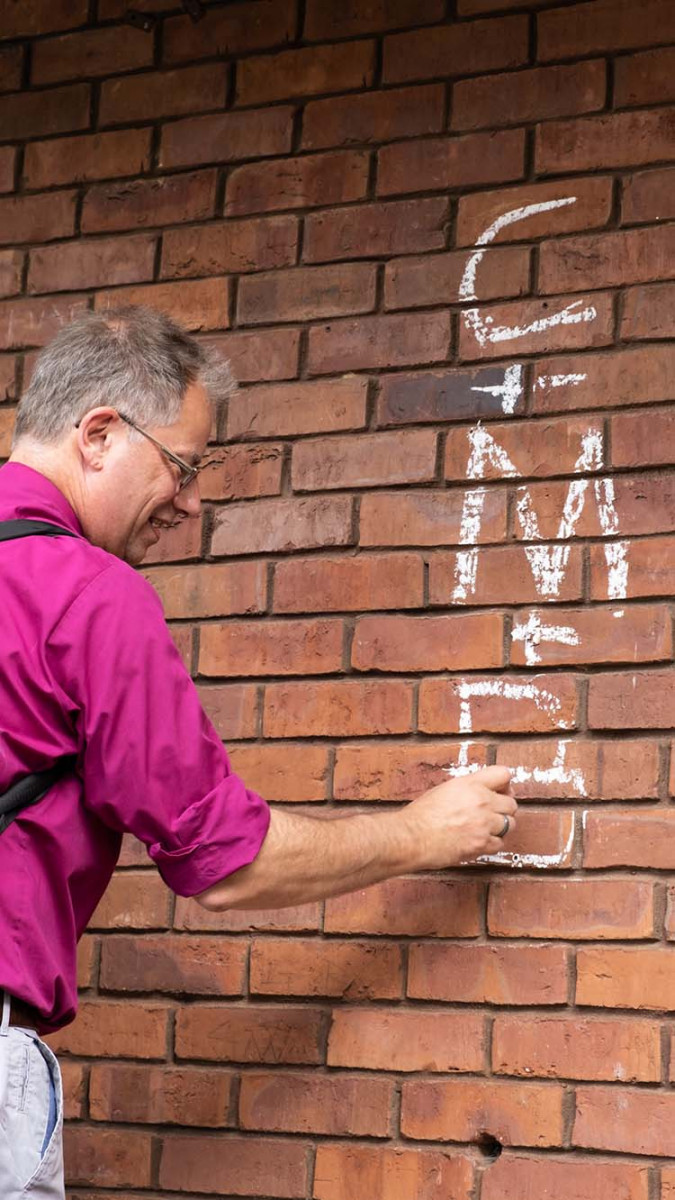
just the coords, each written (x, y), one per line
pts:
(150, 760)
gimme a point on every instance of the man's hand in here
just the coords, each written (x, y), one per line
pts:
(458, 820)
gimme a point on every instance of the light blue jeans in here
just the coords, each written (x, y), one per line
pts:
(31, 1116)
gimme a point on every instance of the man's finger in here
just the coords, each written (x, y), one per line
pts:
(498, 779)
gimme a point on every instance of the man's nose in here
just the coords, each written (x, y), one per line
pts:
(188, 500)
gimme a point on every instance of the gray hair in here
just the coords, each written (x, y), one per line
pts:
(132, 358)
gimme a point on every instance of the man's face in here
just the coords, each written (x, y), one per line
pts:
(136, 494)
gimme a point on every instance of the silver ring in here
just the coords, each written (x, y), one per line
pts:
(505, 829)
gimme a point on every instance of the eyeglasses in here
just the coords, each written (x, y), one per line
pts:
(187, 473)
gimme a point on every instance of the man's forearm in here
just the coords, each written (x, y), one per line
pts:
(304, 858)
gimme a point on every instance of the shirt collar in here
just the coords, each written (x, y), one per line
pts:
(25, 494)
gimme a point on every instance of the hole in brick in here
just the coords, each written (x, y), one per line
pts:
(489, 1146)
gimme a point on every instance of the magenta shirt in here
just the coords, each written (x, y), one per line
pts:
(88, 667)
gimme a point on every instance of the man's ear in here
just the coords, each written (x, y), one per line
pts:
(95, 433)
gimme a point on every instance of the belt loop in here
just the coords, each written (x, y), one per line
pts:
(4, 1026)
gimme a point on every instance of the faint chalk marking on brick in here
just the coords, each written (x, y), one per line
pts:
(510, 389)
(468, 689)
(511, 858)
(532, 633)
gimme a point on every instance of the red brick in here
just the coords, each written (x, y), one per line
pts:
(92, 52)
(649, 312)
(283, 410)
(134, 900)
(604, 25)
(640, 977)
(11, 67)
(344, 1171)
(115, 1029)
(41, 113)
(267, 647)
(229, 247)
(607, 259)
(297, 182)
(627, 839)
(515, 1177)
(230, 31)
(651, 569)
(344, 708)
(398, 1040)
(374, 116)
(641, 375)
(649, 196)
(528, 96)
(360, 231)
(461, 1110)
(183, 541)
(515, 704)
(368, 460)
(604, 635)
(7, 390)
(278, 526)
(416, 282)
(348, 584)
(165, 200)
(590, 322)
(632, 1120)
(534, 448)
(108, 1158)
(233, 709)
(74, 1090)
(571, 908)
(348, 970)
(442, 395)
(305, 72)
(343, 1105)
(370, 771)
(110, 10)
(11, 265)
(425, 518)
(198, 304)
(419, 908)
(645, 78)
(91, 263)
(200, 966)
(255, 1034)
(7, 161)
(493, 974)
(397, 340)
(597, 770)
(644, 700)
(306, 293)
(543, 839)
(37, 218)
(644, 504)
(36, 321)
(352, 18)
(182, 637)
(441, 643)
(570, 1047)
(261, 355)
(438, 164)
(242, 472)
(87, 961)
(250, 1167)
(226, 137)
(668, 1183)
(305, 918)
(132, 854)
(159, 1095)
(472, 47)
(40, 16)
(638, 442)
(88, 156)
(621, 139)
(279, 771)
(592, 207)
(163, 94)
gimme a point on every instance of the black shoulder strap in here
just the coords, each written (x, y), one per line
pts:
(10, 530)
(31, 788)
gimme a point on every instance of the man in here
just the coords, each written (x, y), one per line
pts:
(108, 441)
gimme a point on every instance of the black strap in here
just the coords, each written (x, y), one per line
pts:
(11, 530)
(31, 788)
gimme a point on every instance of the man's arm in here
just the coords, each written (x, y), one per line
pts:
(304, 859)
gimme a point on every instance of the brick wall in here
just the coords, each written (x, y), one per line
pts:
(434, 239)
